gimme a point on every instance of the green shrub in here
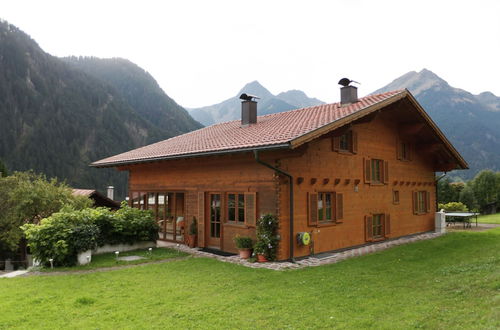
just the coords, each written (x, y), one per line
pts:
(267, 239)
(61, 237)
(453, 207)
(65, 234)
(243, 242)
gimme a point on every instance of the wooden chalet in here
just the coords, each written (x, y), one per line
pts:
(349, 173)
(98, 199)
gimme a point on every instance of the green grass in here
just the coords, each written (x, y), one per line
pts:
(109, 259)
(452, 282)
(490, 218)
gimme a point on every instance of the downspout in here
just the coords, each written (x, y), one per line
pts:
(290, 178)
(436, 184)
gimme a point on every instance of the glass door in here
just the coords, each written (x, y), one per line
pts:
(214, 228)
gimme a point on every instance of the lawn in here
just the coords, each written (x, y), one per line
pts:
(490, 218)
(449, 282)
(109, 259)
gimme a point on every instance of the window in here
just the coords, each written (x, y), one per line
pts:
(376, 171)
(236, 208)
(325, 208)
(404, 151)
(377, 226)
(241, 208)
(346, 143)
(395, 197)
(421, 202)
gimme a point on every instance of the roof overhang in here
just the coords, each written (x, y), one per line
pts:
(192, 155)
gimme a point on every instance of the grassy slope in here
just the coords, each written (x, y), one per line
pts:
(491, 218)
(452, 281)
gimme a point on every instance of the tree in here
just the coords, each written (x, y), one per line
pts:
(485, 187)
(26, 197)
(3, 169)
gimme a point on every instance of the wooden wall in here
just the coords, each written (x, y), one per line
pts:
(376, 139)
(198, 176)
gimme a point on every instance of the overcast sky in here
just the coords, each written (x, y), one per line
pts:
(202, 52)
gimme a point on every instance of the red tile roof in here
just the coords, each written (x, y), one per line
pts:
(83, 192)
(271, 131)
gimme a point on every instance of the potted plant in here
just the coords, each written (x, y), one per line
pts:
(192, 232)
(267, 238)
(244, 245)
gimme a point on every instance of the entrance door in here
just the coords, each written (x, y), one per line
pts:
(213, 233)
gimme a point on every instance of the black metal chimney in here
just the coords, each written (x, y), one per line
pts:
(248, 109)
(348, 94)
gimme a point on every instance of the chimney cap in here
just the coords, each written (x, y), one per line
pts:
(248, 97)
(346, 82)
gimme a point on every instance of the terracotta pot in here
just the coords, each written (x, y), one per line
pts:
(245, 253)
(261, 258)
(191, 241)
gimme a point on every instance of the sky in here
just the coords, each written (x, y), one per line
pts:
(203, 52)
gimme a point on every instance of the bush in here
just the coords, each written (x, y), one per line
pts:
(267, 240)
(453, 207)
(61, 237)
(65, 234)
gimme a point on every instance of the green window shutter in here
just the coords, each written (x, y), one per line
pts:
(368, 228)
(367, 169)
(250, 209)
(340, 208)
(313, 209)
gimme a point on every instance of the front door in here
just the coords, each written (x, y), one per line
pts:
(214, 228)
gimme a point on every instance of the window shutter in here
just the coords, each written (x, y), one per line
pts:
(410, 151)
(367, 169)
(336, 143)
(340, 208)
(428, 201)
(250, 209)
(313, 209)
(387, 225)
(201, 219)
(386, 172)
(415, 202)
(354, 142)
(399, 151)
(368, 228)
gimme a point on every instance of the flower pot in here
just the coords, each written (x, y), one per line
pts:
(191, 241)
(261, 258)
(245, 253)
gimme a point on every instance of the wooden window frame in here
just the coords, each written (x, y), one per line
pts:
(236, 220)
(351, 139)
(421, 202)
(249, 209)
(368, 171)
(404, 151)
(395, 197)
(385, 227)
(337, 208)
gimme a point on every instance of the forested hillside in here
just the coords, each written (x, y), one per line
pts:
(57, 119)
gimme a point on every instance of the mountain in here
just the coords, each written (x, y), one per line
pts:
(470, 121)
(230, 109)
(56, 118)
(140, 90)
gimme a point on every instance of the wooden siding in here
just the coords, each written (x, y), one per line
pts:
(198, 176)
(339, 172)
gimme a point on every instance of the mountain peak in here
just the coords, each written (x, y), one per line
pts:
(416, 82)
(255, 88)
